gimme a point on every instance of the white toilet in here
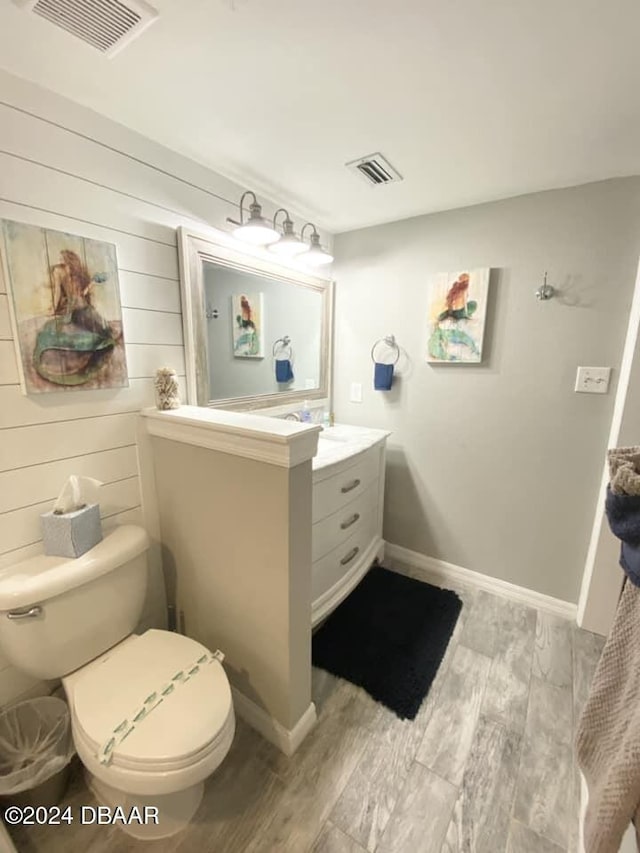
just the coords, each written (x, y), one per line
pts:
(152, 715)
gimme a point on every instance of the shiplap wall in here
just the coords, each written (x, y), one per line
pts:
(64, 167)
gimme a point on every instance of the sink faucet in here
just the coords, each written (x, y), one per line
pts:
(292, 416)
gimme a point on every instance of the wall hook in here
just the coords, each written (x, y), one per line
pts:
(545, 291)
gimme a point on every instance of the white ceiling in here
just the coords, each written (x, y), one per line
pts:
(471, 100)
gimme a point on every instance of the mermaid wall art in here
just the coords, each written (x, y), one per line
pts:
(66, 309)
(248, 334)
(457, 307)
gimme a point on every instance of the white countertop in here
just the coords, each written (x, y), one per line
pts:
(341, 441)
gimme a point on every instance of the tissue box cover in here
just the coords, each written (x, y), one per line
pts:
(72, 533)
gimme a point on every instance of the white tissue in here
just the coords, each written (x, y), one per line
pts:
(76, 493)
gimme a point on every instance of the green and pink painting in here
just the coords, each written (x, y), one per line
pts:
(248, 334)
(456, 315)
(65, 306)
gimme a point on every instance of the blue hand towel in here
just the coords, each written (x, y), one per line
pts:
(284, 373)
(382, 377)
(623, 512)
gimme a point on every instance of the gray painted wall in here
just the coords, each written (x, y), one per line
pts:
(494, 467)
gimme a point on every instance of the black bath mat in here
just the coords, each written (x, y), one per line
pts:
(389, 637)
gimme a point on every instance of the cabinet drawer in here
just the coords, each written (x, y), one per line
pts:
(346, 483)
(331, 569)
(339, 526)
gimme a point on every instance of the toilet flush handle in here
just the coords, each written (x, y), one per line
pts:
(25, 614)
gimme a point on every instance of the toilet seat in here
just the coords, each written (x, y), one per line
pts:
(218, 745)
(188, 725)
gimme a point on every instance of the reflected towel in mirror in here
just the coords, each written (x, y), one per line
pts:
(284, 371)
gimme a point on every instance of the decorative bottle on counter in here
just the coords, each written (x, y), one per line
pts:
(166, 384)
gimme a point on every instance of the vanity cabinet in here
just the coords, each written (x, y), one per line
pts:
(348, 498)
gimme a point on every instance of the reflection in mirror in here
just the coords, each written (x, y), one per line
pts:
(257, 331)
(249, 317)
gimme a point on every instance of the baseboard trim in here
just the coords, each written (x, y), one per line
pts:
(287, 740)
(440, 573)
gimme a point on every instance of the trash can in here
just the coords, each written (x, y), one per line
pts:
(35, 750)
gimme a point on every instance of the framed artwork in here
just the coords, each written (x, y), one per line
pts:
(248, 331)
(65, 309)
(456, 315)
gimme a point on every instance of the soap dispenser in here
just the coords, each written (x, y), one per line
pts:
(305, 414)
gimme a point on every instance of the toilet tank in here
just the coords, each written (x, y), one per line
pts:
(57, 614)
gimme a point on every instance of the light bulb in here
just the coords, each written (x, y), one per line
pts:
(316, 256)
(288, 246)
(256, 233)
(256, 230)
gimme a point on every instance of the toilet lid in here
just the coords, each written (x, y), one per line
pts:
(183, 724)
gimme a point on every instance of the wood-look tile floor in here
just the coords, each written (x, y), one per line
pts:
(486, 767)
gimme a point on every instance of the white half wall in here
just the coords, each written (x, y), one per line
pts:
(495, 467)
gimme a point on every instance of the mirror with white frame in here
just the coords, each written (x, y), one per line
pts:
(257, 331)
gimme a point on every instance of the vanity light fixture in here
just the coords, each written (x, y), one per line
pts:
(256, 230)
(289, 243)
(316, 255)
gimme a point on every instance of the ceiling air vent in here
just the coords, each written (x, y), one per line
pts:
(375, 169)
(106, 25)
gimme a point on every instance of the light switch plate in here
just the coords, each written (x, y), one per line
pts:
(356, 392)
(593, 380)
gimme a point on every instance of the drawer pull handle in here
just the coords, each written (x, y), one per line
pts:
(352, 553)
(350, 487)
(350, 521)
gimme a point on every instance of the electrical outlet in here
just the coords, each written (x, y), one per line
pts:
(356, 392)
(592, 380)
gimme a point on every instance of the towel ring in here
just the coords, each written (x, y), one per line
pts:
(390, 341)
(285, 344)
